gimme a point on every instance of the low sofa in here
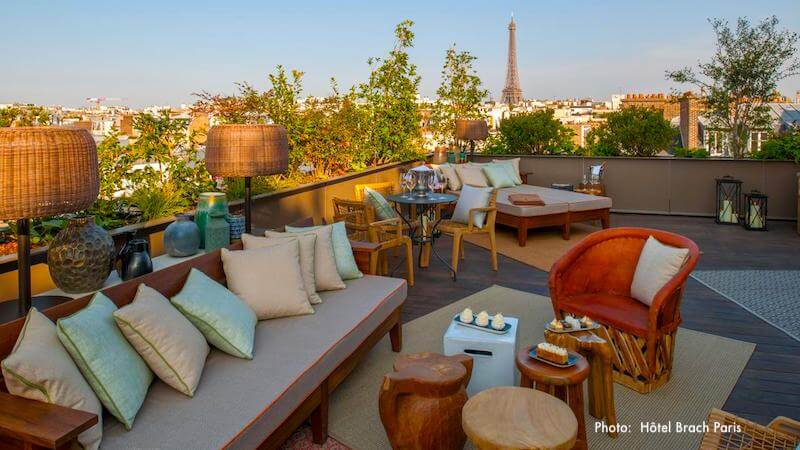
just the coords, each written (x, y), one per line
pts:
(561, 208)
(239, 403)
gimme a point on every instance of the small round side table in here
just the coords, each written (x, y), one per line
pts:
(563, 383)
(509, 417)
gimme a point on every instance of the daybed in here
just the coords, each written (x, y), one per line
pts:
(239, 403)
(561, 208)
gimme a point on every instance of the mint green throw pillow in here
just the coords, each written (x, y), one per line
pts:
(511, 168)
(498, 175)
(224, 319)
(116, 373)
(383, 210)
(342, 251)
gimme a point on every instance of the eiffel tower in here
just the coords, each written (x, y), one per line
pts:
(512, 92)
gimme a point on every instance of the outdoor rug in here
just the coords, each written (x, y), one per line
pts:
(545, 245)
(773, 295)
(705, 370)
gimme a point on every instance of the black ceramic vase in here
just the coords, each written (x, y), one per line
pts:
(134, 259)
(81, 256)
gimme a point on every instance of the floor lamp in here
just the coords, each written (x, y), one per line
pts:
(44, 171)
(247, 151)
(471, 130)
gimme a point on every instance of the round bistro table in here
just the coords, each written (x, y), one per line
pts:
(424, 233)
(509, 417)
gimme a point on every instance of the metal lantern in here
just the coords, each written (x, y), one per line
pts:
(729, 193)
(755, 211)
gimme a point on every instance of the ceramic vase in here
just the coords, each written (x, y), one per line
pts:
(134, 259)
(208, 202)
(182, 237)
(81, 256)
(218, 231)
(236, 222)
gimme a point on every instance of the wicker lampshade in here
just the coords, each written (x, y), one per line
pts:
(46, 171)
(471, 129)
(246, 150)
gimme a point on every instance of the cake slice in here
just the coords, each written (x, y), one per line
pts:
(552, 353)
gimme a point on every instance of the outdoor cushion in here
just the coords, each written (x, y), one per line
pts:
(470, 198)
(512, 166)
(498, 175)
(268, 279)
(307, 243)
(170, 345)
(657, 264)
(116, 373)
(383, 210)
(224, 319)
(619, 311)
(342, 251)
(39, 368)
(556, 201)
(471, 175)
(449, 172)
(326, 273)
(241, 402)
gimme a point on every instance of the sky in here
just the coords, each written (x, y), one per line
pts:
(161, 52)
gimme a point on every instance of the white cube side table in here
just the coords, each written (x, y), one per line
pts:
(492, 354)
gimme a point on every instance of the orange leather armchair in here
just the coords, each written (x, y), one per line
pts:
(594, 279)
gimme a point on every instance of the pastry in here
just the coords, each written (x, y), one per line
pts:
(552, 353)
(556, 325)
(573, 323)
(586, 322)
(498, 322)
(466, 316)
(483, 319)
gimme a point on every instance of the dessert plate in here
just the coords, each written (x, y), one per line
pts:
(571, 359)
(594, 326)
(487, 328)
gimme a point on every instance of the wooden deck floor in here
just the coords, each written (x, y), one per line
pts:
(769, 385)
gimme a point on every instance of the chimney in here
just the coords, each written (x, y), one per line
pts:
(689, 124)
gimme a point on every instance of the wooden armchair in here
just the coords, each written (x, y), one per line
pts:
(361, 224)
(734, 432)
(386, 189)
(594, 279)
(458, 230)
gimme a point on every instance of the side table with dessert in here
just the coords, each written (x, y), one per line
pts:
(587, 340)
(558, 372)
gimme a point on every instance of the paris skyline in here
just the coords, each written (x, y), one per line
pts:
(129, 51)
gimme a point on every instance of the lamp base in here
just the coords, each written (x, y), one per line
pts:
(9, 310)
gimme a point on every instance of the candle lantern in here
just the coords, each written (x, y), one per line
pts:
(755, 211)
(729, 193)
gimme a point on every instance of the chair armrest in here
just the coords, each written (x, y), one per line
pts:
(42, 424)
(472, 212)
(363, 252)
(785, 425)
(671, 292)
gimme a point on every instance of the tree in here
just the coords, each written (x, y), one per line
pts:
(632, 132)
(785, 147)
(459, 96)
(390, 95)
(743, 75)
(24, 116)
(534, 133)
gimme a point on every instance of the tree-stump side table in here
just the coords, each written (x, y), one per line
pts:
(420, 403)
(563, 383)
(598, 352)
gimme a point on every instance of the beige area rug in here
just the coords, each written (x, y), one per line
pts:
(545, 245)
(705, 370)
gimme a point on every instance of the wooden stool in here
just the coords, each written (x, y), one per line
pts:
(564, 383)
(420, 404)
(598, 352)
(516, 418)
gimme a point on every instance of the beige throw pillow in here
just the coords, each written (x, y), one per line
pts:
(326, 275)
(306, 242)
(174, 349)
(472, 175)
(449, 172)
(39, 368)
(268, 279)
(658, 263)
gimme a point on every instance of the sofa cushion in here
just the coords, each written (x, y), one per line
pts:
(499, 175)
(342, 251)
(512, 166)
(307, 247)
(472, 175)
(619, 311)
(657, 265)
(239, 402)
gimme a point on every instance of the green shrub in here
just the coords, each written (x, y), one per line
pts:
(784, 147)
(534, 133)
(680, 152)
(633, 132)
